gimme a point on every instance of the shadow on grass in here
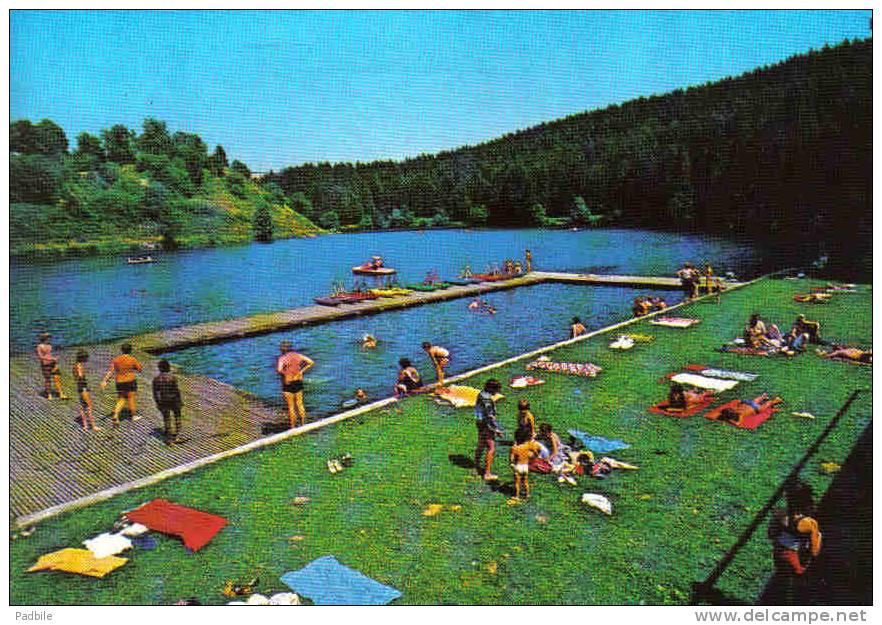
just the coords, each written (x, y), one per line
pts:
(268, 429)
(461, 461)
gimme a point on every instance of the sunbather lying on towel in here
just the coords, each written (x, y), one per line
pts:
(680, 399)
(745, 409)
(854, 354)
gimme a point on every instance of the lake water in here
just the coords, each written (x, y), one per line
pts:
(97, 299)
(526, 318)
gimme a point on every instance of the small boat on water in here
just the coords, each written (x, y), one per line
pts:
(141, 260)
(373, 267)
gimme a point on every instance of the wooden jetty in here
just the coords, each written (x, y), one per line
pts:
(229, 329)
(52, 461)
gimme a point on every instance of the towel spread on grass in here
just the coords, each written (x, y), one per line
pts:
(80, 561)
(700, 381)
(744, 351)
(327, 582)
(598, 443)
(623, 342)
(674, 322)
(107, 544)
(698, 406)
(194, 527)
(461, 396)
(723, 374)
(583, 369)
(750, 422)
(522, 381)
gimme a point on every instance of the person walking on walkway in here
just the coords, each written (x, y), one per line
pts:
(124, 369)
(440, 359)
(167, 396)
(79, 373)
(49, 367)
(291, 366)
(488, 429)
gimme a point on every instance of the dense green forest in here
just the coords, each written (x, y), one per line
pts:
(125, 191)
(783, 153)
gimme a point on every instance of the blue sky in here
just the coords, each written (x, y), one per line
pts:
(283, 88)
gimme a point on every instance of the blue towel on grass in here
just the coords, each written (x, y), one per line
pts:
(327, 582)
(598, 443)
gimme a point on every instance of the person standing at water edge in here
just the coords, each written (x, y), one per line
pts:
(291, 366)
(576, 328)
(440, 359)
(528, 261)
(488, 429)
(688, 280)
(167, 396)
(49, 367)
(124, 368)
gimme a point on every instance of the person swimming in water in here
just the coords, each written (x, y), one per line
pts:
(369, 341)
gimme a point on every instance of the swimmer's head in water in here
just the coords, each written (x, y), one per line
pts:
(285, 346)
(427, 345)
(45, 336)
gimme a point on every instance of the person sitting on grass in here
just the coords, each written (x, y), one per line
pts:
(522, 453)
(577, 328)
(408, 378)
(811, 330)
(843, 352)
(755, 332)
(641, 307)
(748, 408)
(79, 374)
(681, 399)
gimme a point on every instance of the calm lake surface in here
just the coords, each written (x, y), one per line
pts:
(96, 299)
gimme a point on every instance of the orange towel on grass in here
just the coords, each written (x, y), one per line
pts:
(750, 422)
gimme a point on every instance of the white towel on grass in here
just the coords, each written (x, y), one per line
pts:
(107, 544)
(693, 379)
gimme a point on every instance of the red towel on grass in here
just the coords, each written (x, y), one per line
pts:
(691, 410)
(751, 422)
(194, 527)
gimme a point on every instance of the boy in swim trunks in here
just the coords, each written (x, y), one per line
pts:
(124, 369)
(522, 452)
(291, 366)
(747, 408)
(79, 374)
(49, 368)
(440, 359)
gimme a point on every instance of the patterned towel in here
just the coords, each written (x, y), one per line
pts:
(583, 369)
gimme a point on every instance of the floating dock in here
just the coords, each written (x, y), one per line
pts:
(207, 333)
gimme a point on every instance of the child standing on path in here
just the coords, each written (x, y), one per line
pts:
(167, 396)
(79, 374)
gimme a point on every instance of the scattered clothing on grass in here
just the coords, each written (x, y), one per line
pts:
(327, 582)
(194, 527)
(600, 502)
(523, 381)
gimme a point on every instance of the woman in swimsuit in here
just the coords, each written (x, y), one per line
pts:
(79, 374)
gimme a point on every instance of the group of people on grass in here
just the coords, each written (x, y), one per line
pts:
(124, 370)
(803, 331)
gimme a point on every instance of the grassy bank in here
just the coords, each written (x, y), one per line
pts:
(699, 485)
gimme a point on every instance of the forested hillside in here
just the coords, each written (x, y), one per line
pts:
(782, 153)
(124, 191)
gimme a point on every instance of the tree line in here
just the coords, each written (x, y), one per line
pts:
(781, 153)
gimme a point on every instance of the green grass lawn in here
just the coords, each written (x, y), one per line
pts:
(698, 487)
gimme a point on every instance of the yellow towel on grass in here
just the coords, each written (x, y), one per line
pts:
(80, 561)
(461, 396)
